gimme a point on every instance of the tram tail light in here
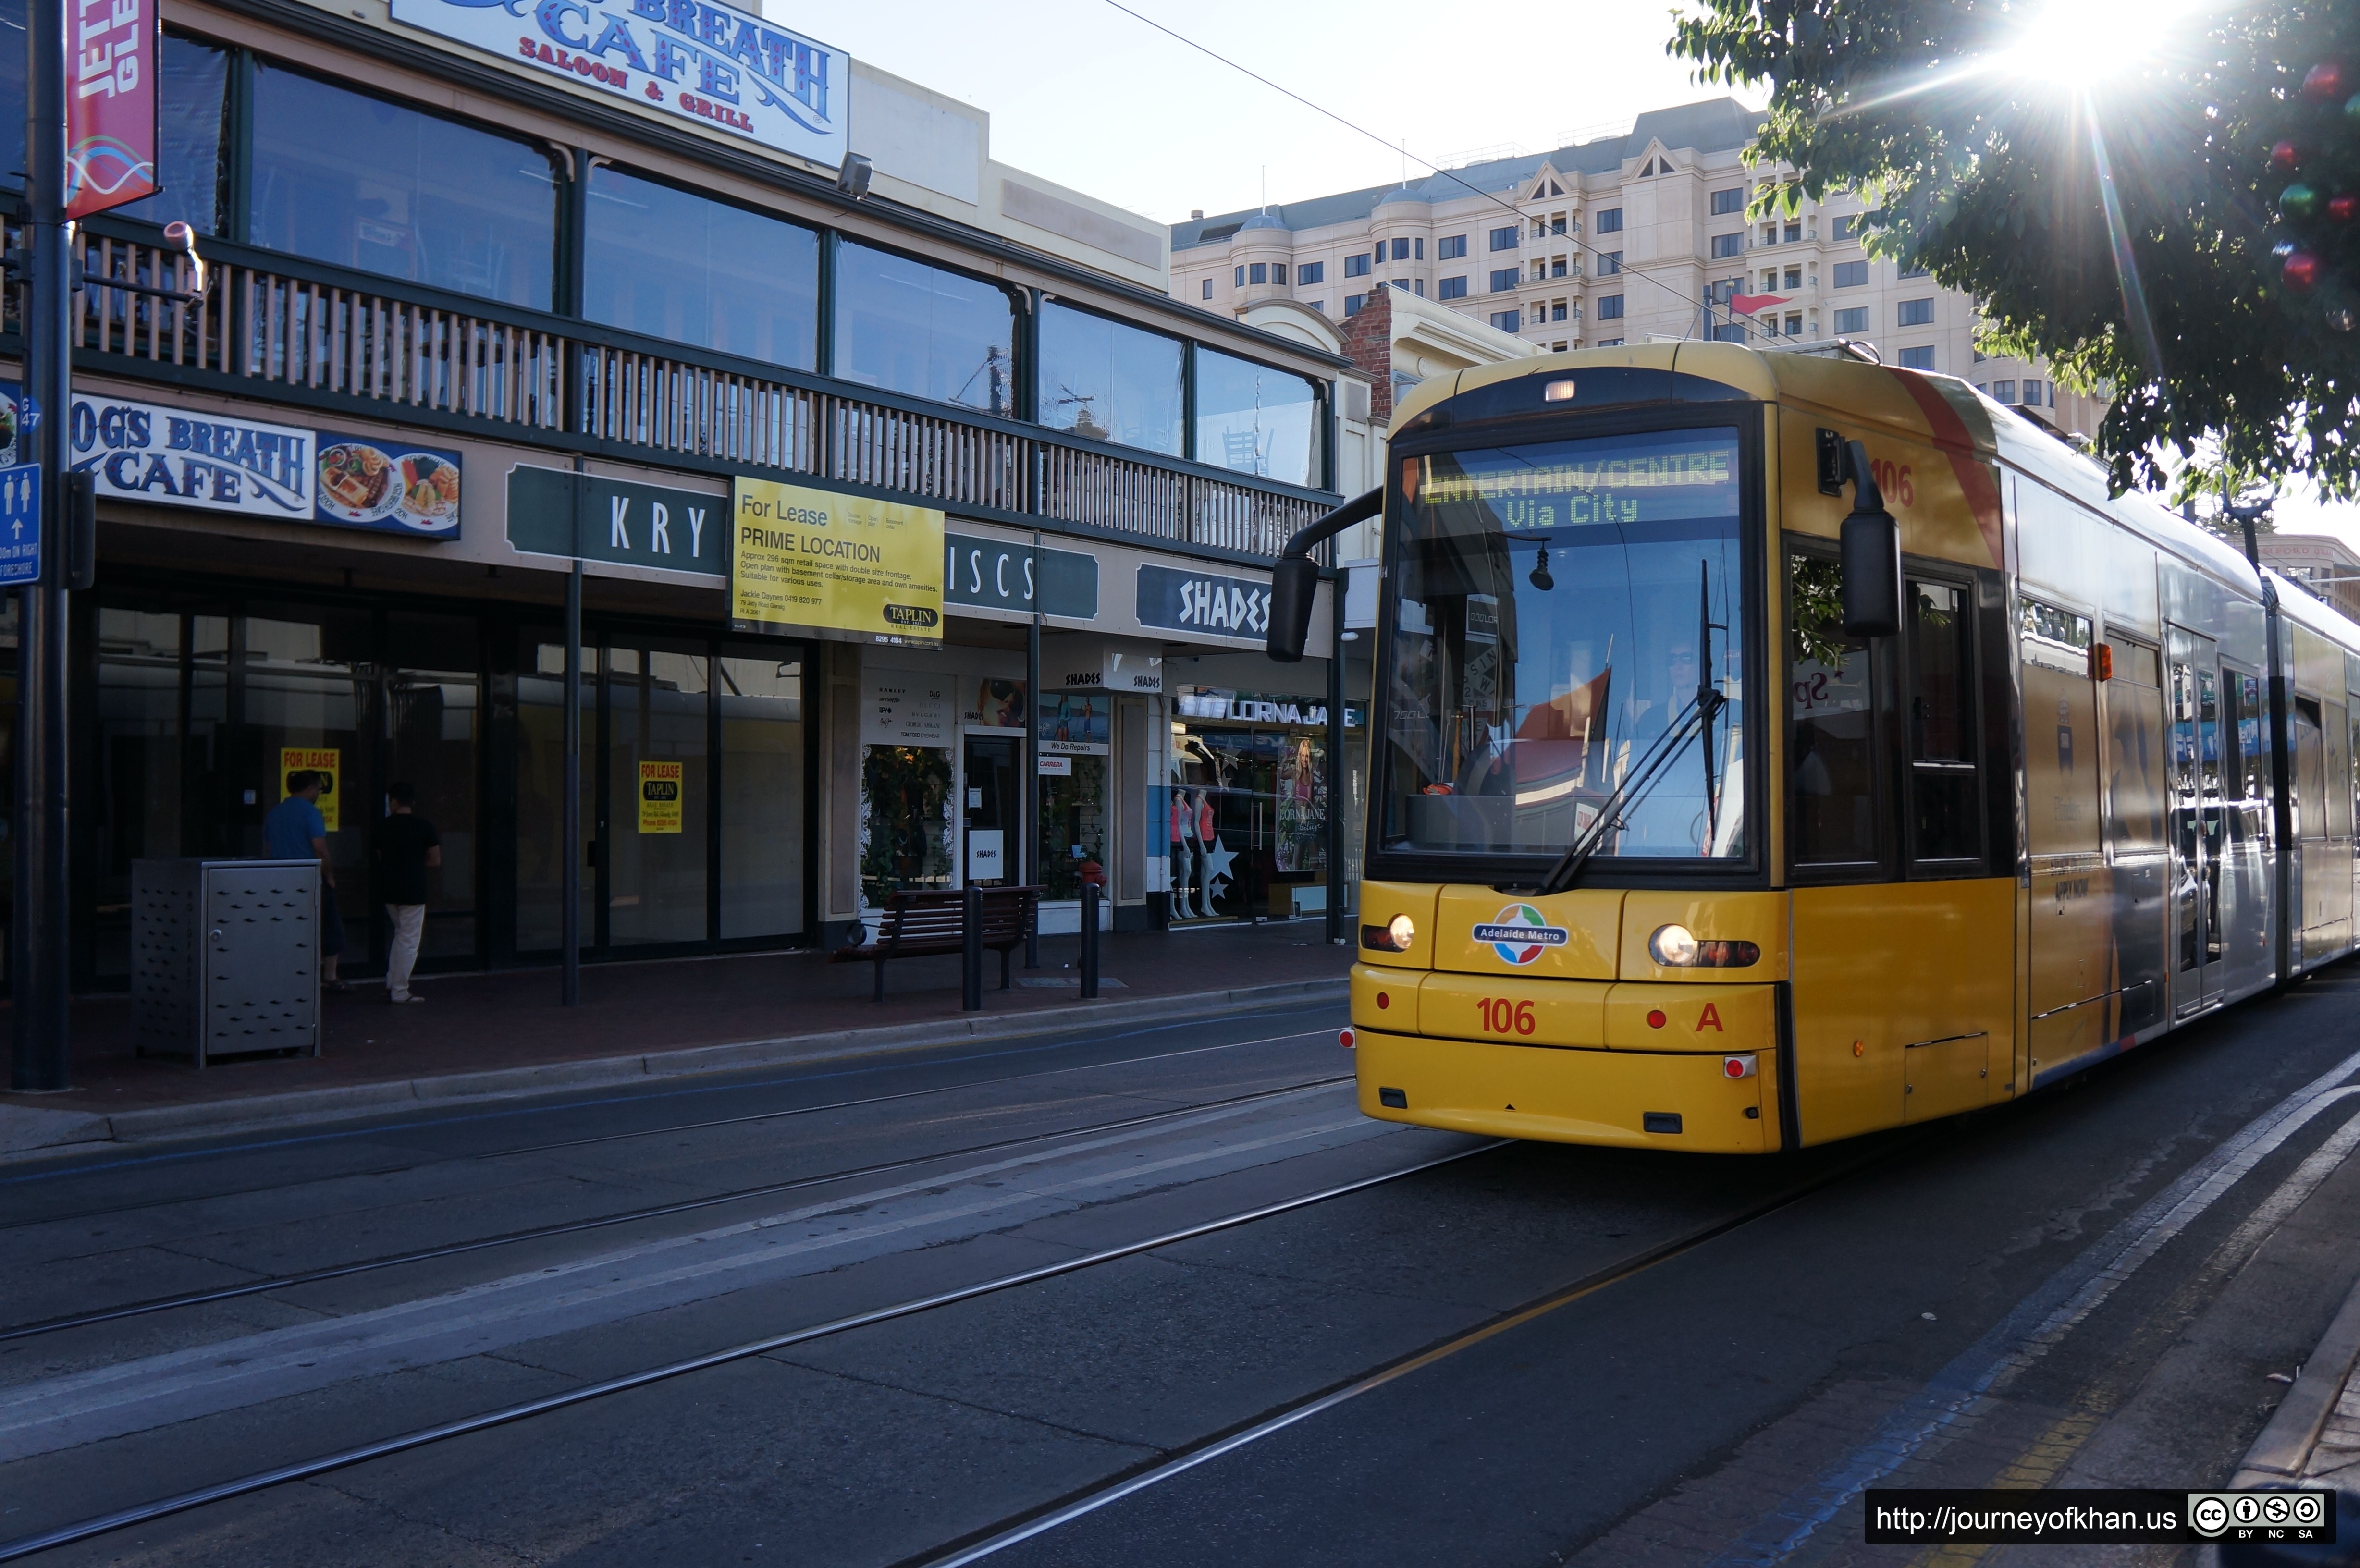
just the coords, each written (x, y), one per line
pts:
(1346, 1039)
(1677, 947)
(2102, 663)
(1737, 1067)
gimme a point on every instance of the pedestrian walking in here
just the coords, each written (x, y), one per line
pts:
(408, 848)
(294, 830)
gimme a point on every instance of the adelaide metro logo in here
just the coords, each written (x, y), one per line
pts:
(1518, 932)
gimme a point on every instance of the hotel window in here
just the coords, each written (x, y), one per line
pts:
(1852, 321)
(1851, 275)
(1208, 288)
(1503, 279)
(1727, 201)
(1504, 239)
(1556, 310)
(1610, 220)
(1611, 343)
(1258, 272)
(364, 182)
(1916, 313)
(1609, 263)
(1845, 228)
(1356, 265)
(1769, 233)
(1557, 266)
(1401, 250)
(1352, 303)
(1417, 249)
(908, 327)
(1557, 224)
(1795, 326)
(1506, 320)
(1725, 246)
(1917, 358)
(1540, 270)
(1418, 287)
(1242, 275)
(1794, 278)
(1450, 248)
(674, 264)
(1311, 272)
(1610, 307)
(1451, 289)
(2035, 394)
(1794, 233)
(1769, 279)
(1913, 272)
(2003, 391)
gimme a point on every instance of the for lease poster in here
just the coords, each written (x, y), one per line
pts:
(806, 560)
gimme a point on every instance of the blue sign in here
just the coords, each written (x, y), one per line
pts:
(20, 523)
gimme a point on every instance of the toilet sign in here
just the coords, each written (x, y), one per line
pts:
(20, 523)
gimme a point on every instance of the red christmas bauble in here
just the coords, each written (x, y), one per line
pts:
(2286, 158)
(2344, 208)
(2301, 271)
(2323, 82)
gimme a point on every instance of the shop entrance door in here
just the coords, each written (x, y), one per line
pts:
(992, 806)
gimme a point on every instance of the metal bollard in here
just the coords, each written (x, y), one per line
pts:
(1089, 941)
(971, 951)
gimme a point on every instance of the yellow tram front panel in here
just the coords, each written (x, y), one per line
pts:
(1683, 1101)
(1644, 1016)
(1509, 1011)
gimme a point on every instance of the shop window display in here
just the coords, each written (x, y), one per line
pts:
(905, 821)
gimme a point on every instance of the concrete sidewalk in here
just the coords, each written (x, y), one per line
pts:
(502, 1034)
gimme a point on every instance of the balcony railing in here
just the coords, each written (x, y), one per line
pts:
(278, 327)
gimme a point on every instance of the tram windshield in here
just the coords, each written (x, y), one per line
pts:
(1566, 641)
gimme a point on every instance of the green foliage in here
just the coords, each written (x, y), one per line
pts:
(1988, 175)
(905, 793)
(1816, 609)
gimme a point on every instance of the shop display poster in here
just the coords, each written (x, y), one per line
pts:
(327, 761)
(845, 566)
(659, 797)
(905, 707)
(1076, 723)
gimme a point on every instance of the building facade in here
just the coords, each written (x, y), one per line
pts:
(2320, 563)
(1615, 239)
(496, 298)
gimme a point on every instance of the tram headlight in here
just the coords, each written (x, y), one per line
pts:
(1676, 947)
(1395, 936)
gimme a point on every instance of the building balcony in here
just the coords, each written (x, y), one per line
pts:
(290, 332)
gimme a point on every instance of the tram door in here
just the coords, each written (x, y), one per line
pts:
(2196, 829)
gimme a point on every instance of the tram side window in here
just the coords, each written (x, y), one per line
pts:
(1945, 814)
(2309, 770)
(1832, 753)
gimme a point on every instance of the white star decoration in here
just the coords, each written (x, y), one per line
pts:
(1217, 856)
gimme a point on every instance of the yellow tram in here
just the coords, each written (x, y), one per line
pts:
(1769, 747)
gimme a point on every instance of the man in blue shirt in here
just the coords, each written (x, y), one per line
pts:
(294, 830)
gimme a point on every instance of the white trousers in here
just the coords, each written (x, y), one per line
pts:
(408, 926)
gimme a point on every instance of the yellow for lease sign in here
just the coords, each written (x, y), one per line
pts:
(805, 559)
(659, 797)
(326, 761)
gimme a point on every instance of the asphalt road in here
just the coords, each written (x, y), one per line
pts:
(1373, 1345)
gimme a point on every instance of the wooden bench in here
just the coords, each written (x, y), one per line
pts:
(932, 924)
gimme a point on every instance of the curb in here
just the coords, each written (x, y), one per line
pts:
(2286, 1445)
(89, 1131)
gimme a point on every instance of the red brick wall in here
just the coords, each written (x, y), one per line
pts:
(1369, 343)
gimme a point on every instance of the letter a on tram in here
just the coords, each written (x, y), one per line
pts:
(1709, 1018)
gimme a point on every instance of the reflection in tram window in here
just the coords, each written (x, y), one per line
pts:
(1942, 722)
(1831, 686)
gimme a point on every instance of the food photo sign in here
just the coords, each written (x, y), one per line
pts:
(181, 457)
(727, 70)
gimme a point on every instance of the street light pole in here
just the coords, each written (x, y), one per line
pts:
(38, 957)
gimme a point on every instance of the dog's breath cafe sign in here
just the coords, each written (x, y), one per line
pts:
(691, 59)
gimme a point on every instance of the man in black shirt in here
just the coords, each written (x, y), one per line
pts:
(407, 848)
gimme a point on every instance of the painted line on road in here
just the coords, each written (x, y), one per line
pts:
(25, 1546)
(2035, 1326)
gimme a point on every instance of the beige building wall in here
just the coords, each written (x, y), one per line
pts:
(1616, 239)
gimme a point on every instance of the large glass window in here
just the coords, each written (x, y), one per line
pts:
(1941, 721)
(672, 265)
(193, 118)
(761, 794)
(1255, 419)
(367, 183)
(908, 327)
(1569, 630)
(1102, 379)
(1831, 755)
(654, 870)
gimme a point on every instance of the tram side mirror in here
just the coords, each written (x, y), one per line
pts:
(1294, 589)
(1871, 555)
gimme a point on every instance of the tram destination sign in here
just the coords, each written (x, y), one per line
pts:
(726, 70)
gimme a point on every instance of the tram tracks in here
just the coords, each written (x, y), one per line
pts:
(652, 1211)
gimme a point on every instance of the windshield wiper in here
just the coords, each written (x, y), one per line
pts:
(1709, 700)
(1643, 777)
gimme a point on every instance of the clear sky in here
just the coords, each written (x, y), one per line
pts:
(1094, 99)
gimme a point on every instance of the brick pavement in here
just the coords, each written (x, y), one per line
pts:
(511, 1018)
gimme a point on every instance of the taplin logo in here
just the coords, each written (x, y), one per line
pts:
(1519, 932)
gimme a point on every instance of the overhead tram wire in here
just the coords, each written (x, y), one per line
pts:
(1401, 147)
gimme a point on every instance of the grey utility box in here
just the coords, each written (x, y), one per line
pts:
(225, 957)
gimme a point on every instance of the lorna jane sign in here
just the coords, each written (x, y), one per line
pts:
(720, 66)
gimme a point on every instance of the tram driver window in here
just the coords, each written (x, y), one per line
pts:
(1945, 815)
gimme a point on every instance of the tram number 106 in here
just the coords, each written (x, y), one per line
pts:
(1501, 1016)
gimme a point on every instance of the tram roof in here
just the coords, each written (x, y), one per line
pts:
(1923, 406)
